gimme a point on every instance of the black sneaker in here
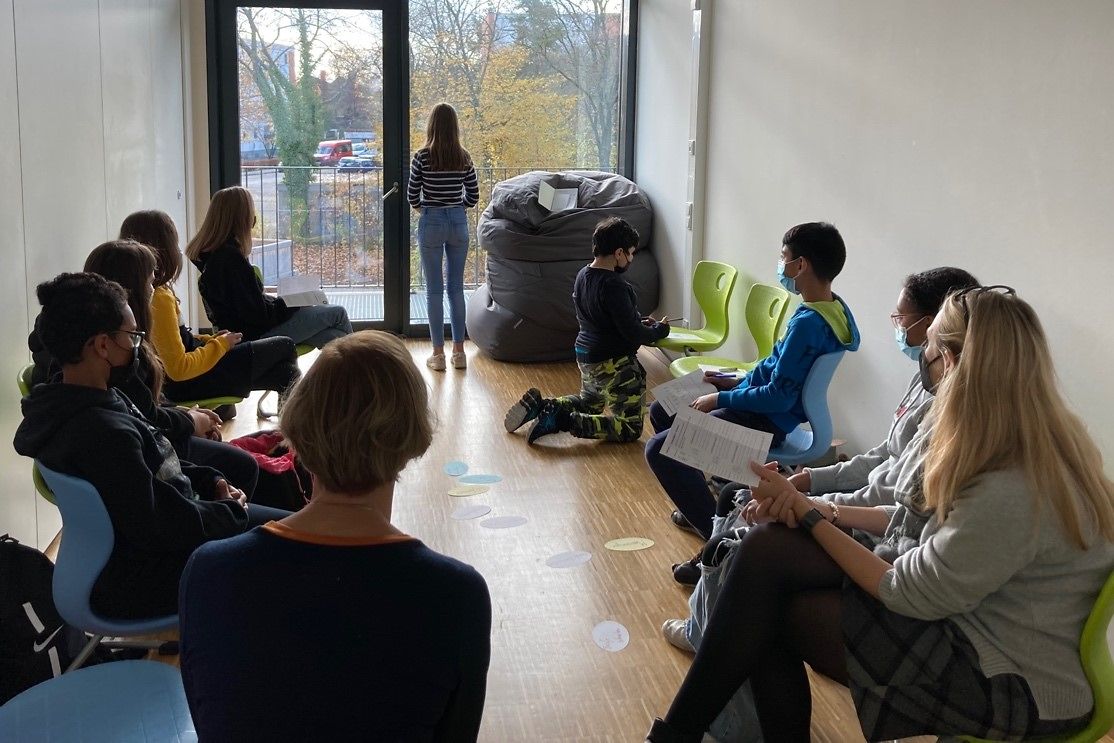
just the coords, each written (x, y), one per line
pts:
(523, 411)
(687, 573)
(547, 422)
(225, 412)
(681, 522)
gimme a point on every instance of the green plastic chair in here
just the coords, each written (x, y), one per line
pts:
(1094, 652)
(23, 381)
(712, 284)
(765, 313)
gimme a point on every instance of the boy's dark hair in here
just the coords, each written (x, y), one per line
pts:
(76, 307)
(613, 233)
(821, 244)
(928, 289)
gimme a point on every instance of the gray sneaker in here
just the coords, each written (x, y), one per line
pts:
(523, 411)
(676, 632)
(436, 362)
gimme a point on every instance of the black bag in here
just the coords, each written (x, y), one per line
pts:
(35, 644)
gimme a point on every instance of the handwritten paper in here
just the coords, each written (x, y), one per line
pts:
(629, 544)
(611, 636)
(678, 393)
(301, 291)
(716, 446)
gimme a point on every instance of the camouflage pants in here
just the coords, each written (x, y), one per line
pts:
(618, 384)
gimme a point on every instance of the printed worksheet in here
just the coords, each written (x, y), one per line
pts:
(716, 446)
(301, 291)
(678, 393)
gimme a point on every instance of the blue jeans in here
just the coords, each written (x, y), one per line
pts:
(315, 326)
(444, 230)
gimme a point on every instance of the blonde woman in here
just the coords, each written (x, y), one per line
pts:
(442, 185)
(202, 366)
(974, 627)
(361, 631)
(231, 290)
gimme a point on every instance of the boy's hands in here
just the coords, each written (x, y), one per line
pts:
(706, 403)
(650, 321)
(721, 382)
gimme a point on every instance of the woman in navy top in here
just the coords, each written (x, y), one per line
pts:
(332, 624)
(442, 184)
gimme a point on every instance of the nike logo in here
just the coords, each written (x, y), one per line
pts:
(40, 645)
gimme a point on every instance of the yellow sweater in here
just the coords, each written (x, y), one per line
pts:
(180, 364)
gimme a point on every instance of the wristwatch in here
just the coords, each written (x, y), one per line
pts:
(811, 519)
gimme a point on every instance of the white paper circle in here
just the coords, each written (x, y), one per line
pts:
(629, 544)
(503, 522)
(568, 559)
(464, 513)
(611, 636)
(463, 491)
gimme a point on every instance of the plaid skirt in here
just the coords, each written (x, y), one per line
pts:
(915, 677)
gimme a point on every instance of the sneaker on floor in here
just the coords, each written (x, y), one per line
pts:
(676, 632)
(681, 522)
(460, 361)
(225, 412)
(687, 573)
(436, 362)
(547, 422)
(523, 411)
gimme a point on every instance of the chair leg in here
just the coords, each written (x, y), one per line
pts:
(165, 647)
(80, 658)
(260, 412)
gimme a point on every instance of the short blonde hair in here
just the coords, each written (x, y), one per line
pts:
(360, 414)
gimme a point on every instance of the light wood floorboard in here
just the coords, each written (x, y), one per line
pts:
(548, 681)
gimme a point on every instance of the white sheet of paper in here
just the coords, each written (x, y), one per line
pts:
(556, 199)
(611, 636)
(297, 284)
(678, 393)
(716, 446)
(305, 299)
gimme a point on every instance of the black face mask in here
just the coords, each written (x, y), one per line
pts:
(121, 374)
(926, 377)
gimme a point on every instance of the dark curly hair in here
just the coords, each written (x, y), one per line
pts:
(76, 307)
(613, 233)
(928, 289)
(821, 244)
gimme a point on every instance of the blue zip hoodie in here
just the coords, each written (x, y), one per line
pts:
(773, 388)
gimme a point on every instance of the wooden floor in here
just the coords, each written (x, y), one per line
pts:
(548, 681)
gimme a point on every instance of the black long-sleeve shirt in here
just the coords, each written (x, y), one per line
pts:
(155, 501)
(233, 294)
(289, 636)
(607, 310)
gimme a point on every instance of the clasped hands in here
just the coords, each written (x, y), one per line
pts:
(776, 498)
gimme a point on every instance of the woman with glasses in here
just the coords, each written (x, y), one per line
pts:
(966, 619)
(161, 507)
(233, 292)
(195, 434)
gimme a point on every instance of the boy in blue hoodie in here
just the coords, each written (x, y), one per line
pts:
(769, 397)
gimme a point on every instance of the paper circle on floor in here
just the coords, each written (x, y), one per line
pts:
(629, 544)
(503, 522)
(461, 491)
(568, 559)
(480, 479)
(455, 468)
(611, 636)
(464, 513)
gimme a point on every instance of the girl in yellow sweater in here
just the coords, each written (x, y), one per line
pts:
(201, 366)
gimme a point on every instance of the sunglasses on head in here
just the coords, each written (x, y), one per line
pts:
(961, 297)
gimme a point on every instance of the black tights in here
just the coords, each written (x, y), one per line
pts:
(779, 607)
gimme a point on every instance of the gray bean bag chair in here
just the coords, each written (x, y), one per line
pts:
(524, 312)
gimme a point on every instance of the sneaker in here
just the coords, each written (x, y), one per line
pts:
(523, 411)
(676, 632)
(687, 573)
(681, 522)
(460, 361)
(436, 362)
(547, 422)
(225, 412)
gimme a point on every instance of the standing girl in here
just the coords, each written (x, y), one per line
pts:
(199, 366)
(233, 293)
(442, 185)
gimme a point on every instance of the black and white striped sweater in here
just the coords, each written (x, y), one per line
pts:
(442, 187)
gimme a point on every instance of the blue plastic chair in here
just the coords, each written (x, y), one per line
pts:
(129, 701)
(87, 542)
(802, 445)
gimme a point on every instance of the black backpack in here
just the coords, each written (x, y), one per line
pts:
(35, 644)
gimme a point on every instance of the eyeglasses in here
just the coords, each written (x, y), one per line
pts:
(135, 336)
(897, 317)
(961, 297)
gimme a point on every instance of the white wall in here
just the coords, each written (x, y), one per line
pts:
(95, 132)
(661, 133)
(951, 132)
